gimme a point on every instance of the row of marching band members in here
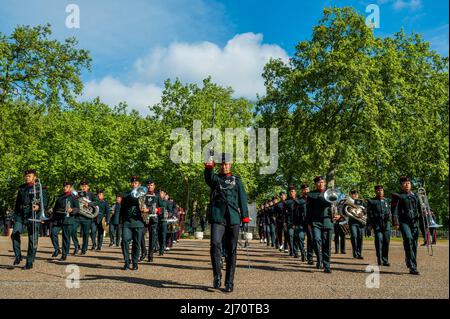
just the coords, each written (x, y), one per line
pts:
(141, 210)
(285, 222)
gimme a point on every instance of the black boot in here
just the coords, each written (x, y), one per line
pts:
(56, 253)
(17, 260)
(135, 267)
(63, 257)
(75, 251)
(28, 265)
(229, 287)
(217, 282)
(126, 266)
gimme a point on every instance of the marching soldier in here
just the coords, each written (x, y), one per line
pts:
(97, 226)
(308, 231)
(300, 225)
(84, 221)
(379, 218)
(406, 211)
(162, 222)
(320, 223)
(23, 211)
(280, 209)
(132, 226)
(228, 208)
(339, 237)
(114, 220)
(66, 206)
(260, 222)
(152, 204)
(290, 216)
(269, 221)
(356, 229)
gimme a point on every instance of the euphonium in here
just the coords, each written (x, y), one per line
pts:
(140, 193)
(357, 212)
(332, 196)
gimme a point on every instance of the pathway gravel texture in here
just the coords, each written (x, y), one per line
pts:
(185, 273)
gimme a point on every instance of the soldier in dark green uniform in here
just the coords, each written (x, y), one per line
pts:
(289, 217)
(405, 209)
(300, 226)
(280, 210)
(356, 229)
(228, 208)
(270, 223)
(132, 225)
(97, 228)
(114, 222)
(379, 218)
(320, 222)
(162, 222)
(66, 206)
(308, 230)
(84, 221)
(152, 204)
(23, 211)
(260, 223)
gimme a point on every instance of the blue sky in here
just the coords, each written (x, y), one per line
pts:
(137, 44)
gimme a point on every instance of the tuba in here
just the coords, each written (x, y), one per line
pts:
(353, 210)
(428, 219)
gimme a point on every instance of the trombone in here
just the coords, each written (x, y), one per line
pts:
(427, 218)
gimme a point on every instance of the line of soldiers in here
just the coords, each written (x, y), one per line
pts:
(124, 219)
(285, 221)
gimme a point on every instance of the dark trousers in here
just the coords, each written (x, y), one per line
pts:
(290, 240)
(33, 238)
(97, 234)
(85, 230)
(162, 233)
(261, 232)
(299, 241)
(56, 227)
(143, 245)
(339, 239)
(410, 234)
(270, 233)
(356, 238)
(114, 234)
(153, 239)
(382, 238)
(66, 232)
(134, 235)
(280, 231)
(322, 245)
(229, 234)
(309, 244)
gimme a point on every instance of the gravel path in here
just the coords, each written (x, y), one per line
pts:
(185, 272)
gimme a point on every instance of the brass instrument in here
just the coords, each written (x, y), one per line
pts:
(353, 210)
(428, 218)
(332, 196)
(140, 194)
(88, 211)
(38, 200)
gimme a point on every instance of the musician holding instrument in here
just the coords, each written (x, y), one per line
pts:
(309, 237)
(227, 209)
(320, 222)
(114, 222)
(132, 224)
(99, 222)
(32, 199)
(88, 203)
(151, 201)
(379, 218)
(406, 211)
(66, 207)
(356, 228)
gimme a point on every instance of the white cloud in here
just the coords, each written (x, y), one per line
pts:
(405, 4)
(112, 91)
(238, 64)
